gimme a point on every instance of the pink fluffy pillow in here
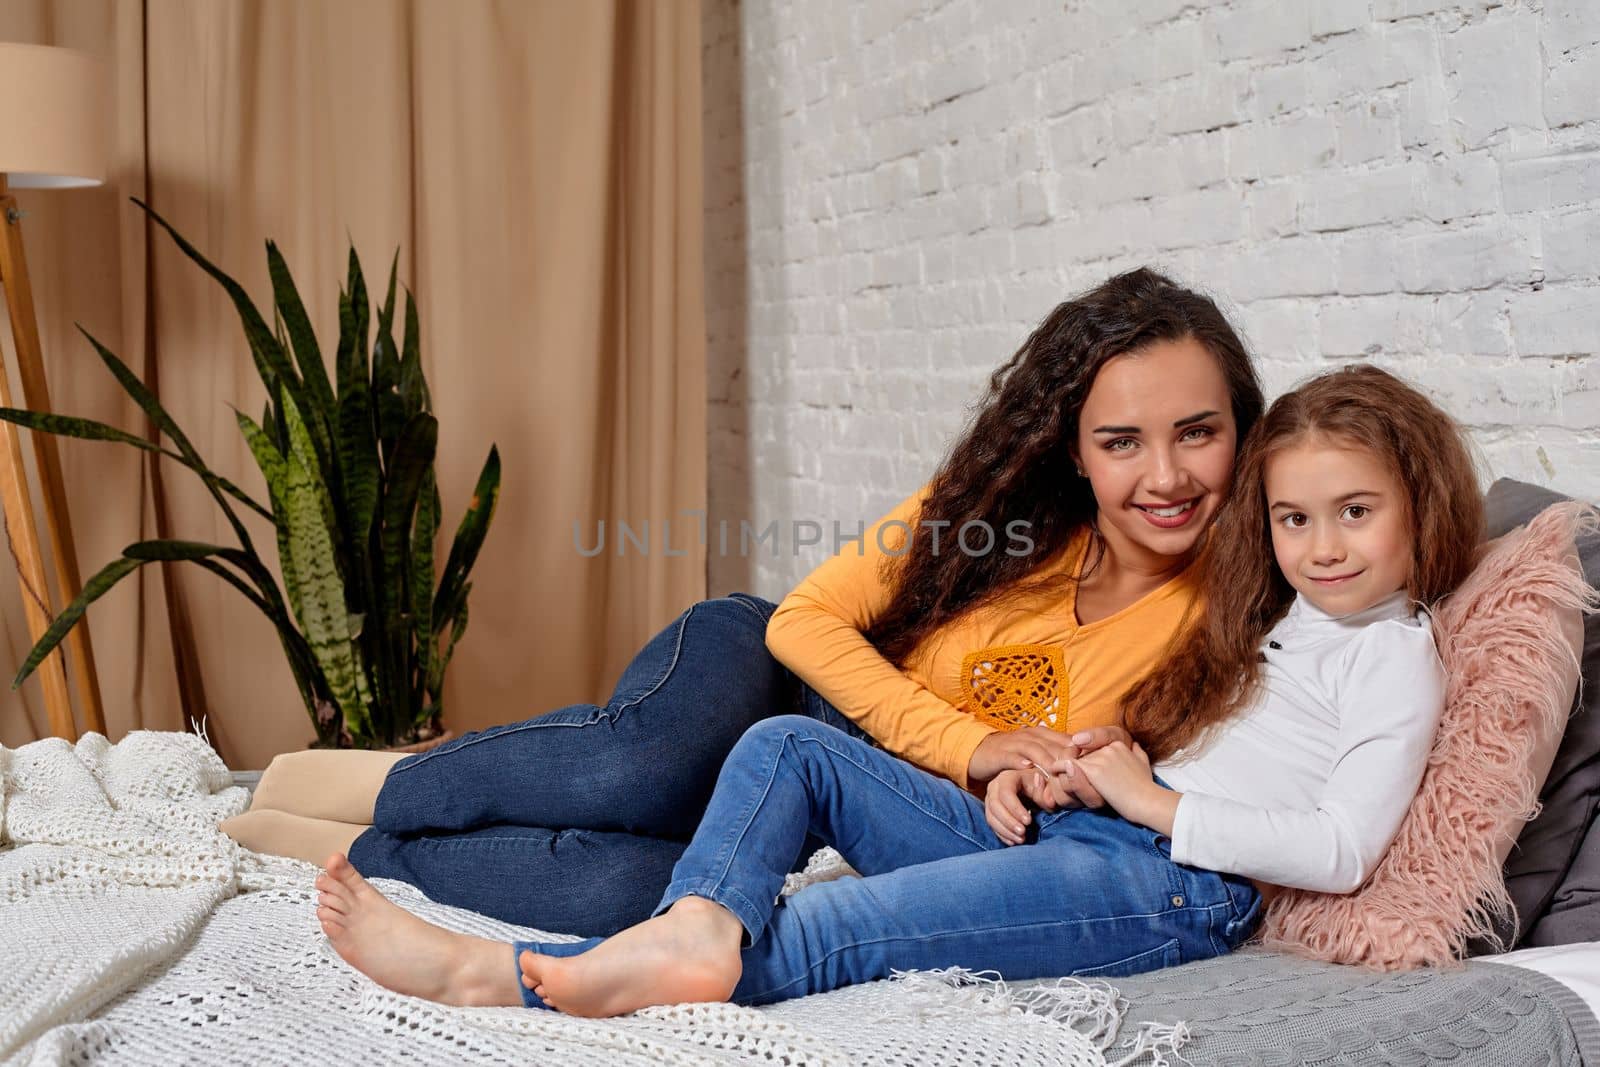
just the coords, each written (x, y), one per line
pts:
(1511, 670)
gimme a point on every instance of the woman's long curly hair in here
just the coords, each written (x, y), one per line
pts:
(1014, 462)
(1215, 666)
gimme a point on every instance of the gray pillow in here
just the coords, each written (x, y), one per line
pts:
(1553, 872)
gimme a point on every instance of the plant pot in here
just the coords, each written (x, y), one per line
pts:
(425, 744)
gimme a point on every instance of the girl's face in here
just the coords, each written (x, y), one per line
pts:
(1156, 440)
(1340, 528)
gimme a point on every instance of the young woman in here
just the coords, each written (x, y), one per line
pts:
(1107, 442)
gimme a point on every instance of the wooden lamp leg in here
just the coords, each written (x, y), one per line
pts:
(14, 487)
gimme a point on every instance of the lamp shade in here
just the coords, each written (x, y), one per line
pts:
(52, 117)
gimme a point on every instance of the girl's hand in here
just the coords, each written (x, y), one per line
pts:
(1120, 773)
(1067, 787)
(1003, 807)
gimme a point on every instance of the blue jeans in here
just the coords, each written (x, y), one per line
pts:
(1091, 894)
(572, 821)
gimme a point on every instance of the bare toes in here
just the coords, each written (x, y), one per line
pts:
(339, 870)
(350, 879)
(336, 897)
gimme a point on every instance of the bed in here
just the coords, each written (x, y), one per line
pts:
(132, 931)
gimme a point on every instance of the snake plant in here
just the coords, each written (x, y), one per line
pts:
(352, 498)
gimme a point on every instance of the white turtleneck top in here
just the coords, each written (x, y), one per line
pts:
(1307, 785)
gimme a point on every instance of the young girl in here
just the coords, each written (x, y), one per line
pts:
(1314, 688)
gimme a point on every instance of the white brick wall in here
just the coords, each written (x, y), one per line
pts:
(897, 190)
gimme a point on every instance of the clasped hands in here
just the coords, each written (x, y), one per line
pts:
(1053, 771)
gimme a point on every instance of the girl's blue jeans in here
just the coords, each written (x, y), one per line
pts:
(572, 821)
(1090, 894)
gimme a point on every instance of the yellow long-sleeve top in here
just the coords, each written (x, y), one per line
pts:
(1023, 660)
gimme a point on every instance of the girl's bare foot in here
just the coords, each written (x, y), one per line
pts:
(402, 952)
(688, 955)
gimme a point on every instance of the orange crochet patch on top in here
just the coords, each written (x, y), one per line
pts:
(1016, 686)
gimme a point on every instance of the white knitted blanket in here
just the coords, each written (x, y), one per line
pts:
(133, 931)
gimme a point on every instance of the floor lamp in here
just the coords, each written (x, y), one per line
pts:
(52, 135)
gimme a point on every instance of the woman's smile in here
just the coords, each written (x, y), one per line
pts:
(1169, 516)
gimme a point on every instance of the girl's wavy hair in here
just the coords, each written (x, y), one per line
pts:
(1215, 665)
(1014, 462)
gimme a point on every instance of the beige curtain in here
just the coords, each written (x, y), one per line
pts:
(537, 164)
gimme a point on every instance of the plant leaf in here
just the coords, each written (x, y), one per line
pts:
(325, 617)
(386, 398)
(359, 466)
(89, 430)
(174, 550)
(275, 469)
(422, 536)
(134, 557)
(413, 383)
(412, 460)
(307, 675)
(361, 477)
(307, 353)
(271, 362)
(152, 407)
(468, 540)
(93, 590)
(357, 285)
(458, 626)
(358, 453)
(85, 429)
(267, 456)
(383, 350)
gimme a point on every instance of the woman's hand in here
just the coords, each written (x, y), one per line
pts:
(1040, 746)
(1014, 750)
(1007, 815)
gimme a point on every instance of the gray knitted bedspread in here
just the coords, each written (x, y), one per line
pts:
(1258, 1007)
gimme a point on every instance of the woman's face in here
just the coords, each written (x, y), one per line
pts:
(1156, 439)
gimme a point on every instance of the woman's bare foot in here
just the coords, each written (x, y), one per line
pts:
(688, 955)
(402, 952)
(277, 833)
